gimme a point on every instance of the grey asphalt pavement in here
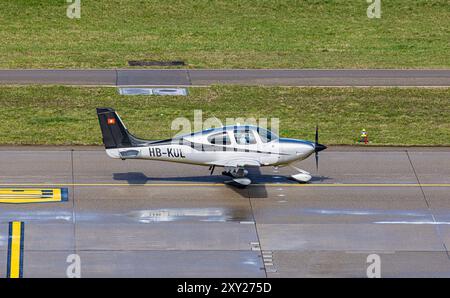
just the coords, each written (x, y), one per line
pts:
(205, 77)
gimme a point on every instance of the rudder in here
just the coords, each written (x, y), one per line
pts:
(114, 132)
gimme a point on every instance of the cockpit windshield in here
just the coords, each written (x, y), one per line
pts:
(266, 135)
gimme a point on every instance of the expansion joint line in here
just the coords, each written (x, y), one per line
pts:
(257, 234)
(438, 229)
(188, 74)
(73, 202)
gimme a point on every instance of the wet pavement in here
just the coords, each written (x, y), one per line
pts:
(155, 219)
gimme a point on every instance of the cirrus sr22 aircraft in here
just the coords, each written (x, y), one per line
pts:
(234, 148)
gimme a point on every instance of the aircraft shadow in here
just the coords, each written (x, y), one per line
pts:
(256, 190)
(137, 178)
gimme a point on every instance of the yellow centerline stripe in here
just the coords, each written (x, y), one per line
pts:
(366, 185)
(15, 249)
(223, 184)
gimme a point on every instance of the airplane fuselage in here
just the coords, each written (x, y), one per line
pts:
(278, 152)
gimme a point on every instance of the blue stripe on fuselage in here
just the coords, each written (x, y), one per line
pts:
(286, 140)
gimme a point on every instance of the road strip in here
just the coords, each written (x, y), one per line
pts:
(15, 250)
(208, 77)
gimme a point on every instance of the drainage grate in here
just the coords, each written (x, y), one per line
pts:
(156, 63)
(153, 91)
(135, 91)
(170, 91)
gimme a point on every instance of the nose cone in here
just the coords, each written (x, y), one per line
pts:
(320, 147)
(296, 148)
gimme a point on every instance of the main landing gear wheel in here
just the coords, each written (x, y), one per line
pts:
(242, 181)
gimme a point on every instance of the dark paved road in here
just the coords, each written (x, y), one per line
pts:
(198, 77)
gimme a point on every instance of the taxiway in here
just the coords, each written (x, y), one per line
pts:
(154, 219)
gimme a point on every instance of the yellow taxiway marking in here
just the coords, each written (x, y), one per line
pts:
(365, 185)
(15, 249)
(223, 184)
(32, 195)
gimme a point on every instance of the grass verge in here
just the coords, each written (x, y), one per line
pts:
(57, 115)
(226, 34)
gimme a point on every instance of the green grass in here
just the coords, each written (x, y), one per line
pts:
(393, 116)
(226, 34)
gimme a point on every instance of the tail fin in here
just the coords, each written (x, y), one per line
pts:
(114, 132)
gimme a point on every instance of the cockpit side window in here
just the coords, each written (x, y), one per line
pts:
(244, 137)
(219, 139)
(266, 135)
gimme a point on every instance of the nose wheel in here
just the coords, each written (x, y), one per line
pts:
(303, 176)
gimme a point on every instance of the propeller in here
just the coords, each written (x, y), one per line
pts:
(318, 147)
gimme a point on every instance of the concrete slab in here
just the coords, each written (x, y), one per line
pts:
(46, 263)
(432, 168)
(299, 264)
(349, 237)
(48, 167)
(165, 236)
(356, 167)
(59, 76)
(205, 264)
(160, 204)
(4, 228)
(61, 212)
(156, 77)
(96, 166)
(3, 262)
(439, 200)
(49, 237)
(355, 205)
(444, 232)
(311, 77)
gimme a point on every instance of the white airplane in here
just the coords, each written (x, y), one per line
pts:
(234, 148)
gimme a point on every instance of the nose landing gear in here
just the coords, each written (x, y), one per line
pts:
(303, 176)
